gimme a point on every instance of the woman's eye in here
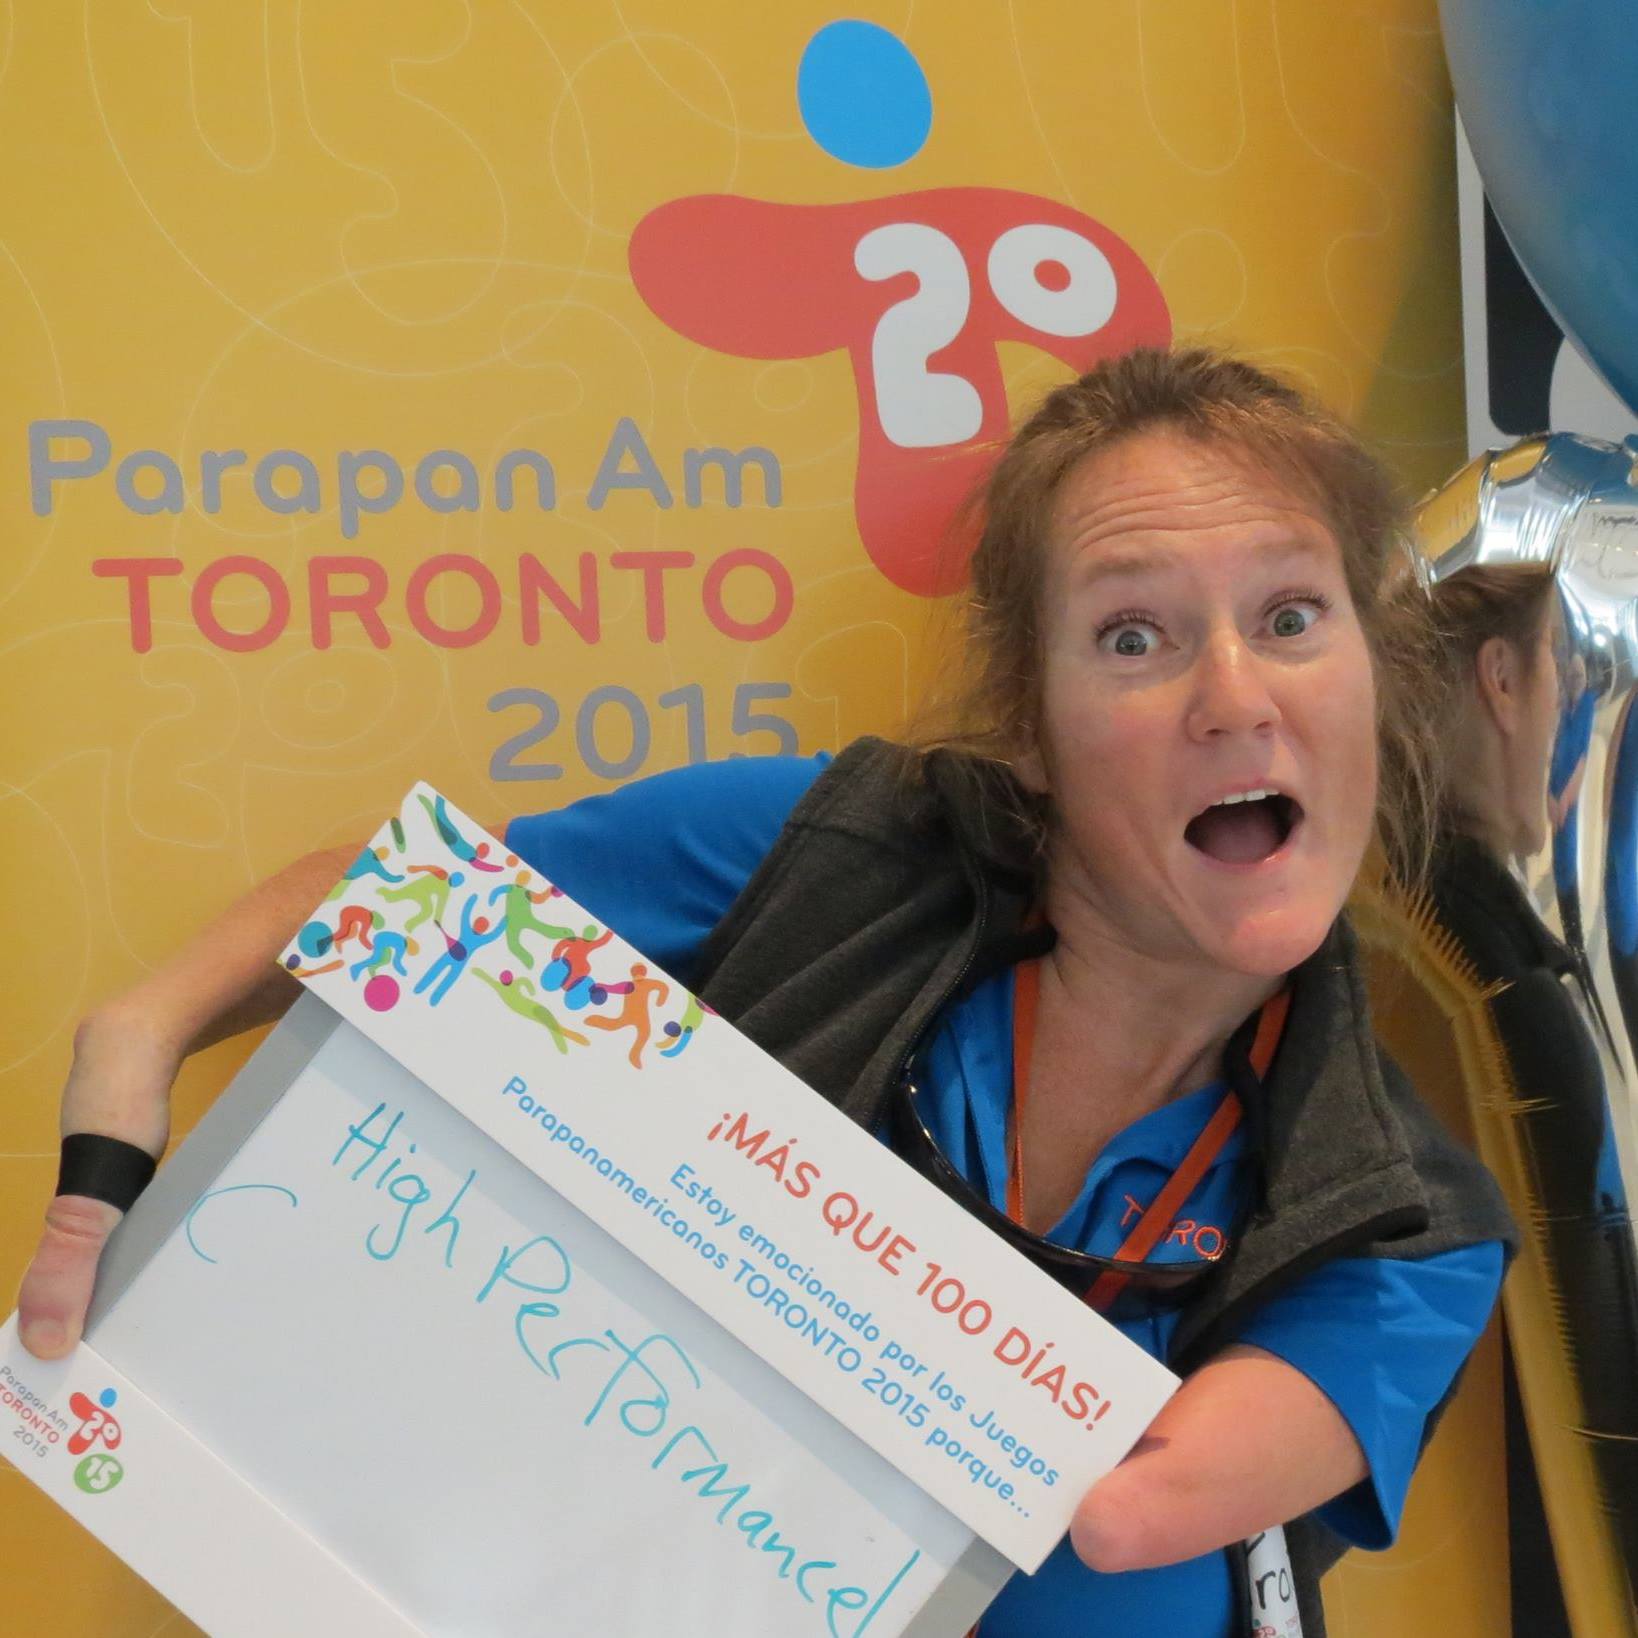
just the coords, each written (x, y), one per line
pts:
(1293, 619)
(1131, 640)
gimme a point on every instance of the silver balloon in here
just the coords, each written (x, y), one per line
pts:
(1549, 1049)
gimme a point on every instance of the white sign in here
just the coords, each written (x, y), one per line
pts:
(535, 1288)
(472, 1400)
(976, 1374)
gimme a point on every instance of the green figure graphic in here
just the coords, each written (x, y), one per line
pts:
(519, 996)
(518, 911)
(430, 894)
(683, 1031)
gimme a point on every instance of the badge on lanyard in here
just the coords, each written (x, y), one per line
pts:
(1270, 1588)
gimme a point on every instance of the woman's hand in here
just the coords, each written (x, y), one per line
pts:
(119, 1085)
(1247, 1442)
(126, 1056)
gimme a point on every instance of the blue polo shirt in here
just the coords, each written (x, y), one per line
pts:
(661, 861)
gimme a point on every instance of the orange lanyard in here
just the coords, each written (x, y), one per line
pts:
(1156, 1222)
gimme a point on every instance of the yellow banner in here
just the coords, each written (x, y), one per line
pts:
(528, 397)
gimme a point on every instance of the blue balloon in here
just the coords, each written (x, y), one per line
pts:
(863, 96)
(1549, 96)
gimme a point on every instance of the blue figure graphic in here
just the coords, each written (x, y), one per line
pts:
(457, 844)
(368, 863)
(390, 948)
(475, 933)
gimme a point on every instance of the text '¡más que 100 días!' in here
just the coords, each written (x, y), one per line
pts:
(860, 1228)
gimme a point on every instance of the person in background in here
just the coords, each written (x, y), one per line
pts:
(1091, 944)
(1516, 729)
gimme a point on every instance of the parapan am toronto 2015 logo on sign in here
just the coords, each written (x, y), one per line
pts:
(42, 1428)
(98, 1471)
(918, 288)
(97, 1425)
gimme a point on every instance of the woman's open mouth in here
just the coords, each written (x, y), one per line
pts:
(1244, 830)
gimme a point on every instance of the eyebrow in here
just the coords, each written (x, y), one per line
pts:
(1161, 560)
(1106, 566)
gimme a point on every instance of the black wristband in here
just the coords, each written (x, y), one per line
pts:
(104, 1168)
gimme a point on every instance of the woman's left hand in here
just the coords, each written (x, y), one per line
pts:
(1247, 1442)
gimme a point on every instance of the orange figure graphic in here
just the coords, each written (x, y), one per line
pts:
(645, 992)
(355, 921)
(575, 954)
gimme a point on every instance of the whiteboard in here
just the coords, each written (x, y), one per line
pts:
(526, 1430)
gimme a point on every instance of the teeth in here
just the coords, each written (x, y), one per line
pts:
(1246, 796)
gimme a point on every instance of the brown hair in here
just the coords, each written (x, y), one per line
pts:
(990, 709)
(1505, 600)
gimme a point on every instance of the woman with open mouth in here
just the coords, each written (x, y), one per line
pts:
(1081, 958)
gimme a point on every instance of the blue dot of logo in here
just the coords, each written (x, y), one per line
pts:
(863, 96)
(107, 1397)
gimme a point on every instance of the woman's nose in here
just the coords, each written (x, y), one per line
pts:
(1231, 692)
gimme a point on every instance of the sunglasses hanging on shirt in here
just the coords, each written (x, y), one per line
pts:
(1101, 1281)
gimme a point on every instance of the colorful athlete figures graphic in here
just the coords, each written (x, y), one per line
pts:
(368, 863)
(367, 923)
(429, 892)
(894, 282)
(518, 912)
(681, 1031)
(642, 994)
(570, 968)
(477, 857)
(356, 921)
(389, 950)
(519, 994)
(458, 952)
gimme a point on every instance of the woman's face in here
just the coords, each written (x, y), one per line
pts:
(1199, 644)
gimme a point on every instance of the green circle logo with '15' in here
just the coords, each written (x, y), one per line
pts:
(98, 1473)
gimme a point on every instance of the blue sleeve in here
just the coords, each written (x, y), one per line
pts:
(660, 860)
(1572, 742)
(1383, 1340)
